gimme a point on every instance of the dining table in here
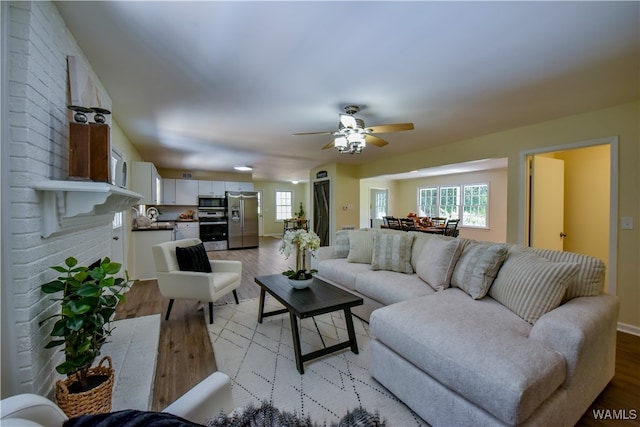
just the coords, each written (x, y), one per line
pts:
(432, 230)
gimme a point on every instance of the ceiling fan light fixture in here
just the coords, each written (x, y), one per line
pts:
(341, 142)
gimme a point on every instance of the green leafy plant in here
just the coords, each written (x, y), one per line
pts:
(300, 214)
(89, 299)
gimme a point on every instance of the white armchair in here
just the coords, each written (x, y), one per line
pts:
(202, 402)
(174, 283)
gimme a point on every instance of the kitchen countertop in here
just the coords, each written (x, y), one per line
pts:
(163, 225)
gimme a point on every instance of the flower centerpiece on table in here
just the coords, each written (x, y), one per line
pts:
(299, 241)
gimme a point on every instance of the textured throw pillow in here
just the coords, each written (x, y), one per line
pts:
(360, 246)
(477, 268)
(341, 248)
(392, 252)
(437, 261)
(193, 258)
(531, 286)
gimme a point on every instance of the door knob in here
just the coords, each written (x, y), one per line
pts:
(563, 234)
(116, 238)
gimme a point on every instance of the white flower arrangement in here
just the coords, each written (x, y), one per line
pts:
(299, 241)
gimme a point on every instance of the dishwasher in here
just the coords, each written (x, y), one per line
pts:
(186, 230)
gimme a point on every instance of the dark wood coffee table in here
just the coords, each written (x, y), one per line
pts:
(319, 298)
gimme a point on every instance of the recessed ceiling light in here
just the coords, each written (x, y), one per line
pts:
(295, 181)
(243, 168)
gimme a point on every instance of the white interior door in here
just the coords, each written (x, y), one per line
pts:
(378, 206)
(547, 203)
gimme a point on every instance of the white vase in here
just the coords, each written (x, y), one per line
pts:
(300, 284)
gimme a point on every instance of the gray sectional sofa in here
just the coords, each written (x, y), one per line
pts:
(473, 333)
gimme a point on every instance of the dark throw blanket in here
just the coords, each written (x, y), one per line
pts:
(251, 416)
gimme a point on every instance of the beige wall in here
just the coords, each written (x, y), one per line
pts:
(621, 121)
(206, 175)
(407, 200)
(271, 227)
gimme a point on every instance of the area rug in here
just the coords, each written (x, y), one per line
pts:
(133, 348)
(259, 359)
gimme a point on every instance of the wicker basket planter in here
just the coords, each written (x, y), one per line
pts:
(94, 401)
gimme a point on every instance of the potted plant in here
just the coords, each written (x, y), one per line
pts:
(89, 296)
(299, 241)
(300, 214)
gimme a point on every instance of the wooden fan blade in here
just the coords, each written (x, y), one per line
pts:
(374, 140)
(313, 133)
(329, 145)
(391, 128)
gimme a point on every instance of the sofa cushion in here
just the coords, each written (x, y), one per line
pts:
(530, 285)
(588, 282)
(392, 252)
(193, 258)
(477, 348)
(360, 246)
(477, 267)
(437, 261)
(389, 287)
(341, 248)
(338, 270)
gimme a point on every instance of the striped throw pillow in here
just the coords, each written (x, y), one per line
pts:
(531, 286)
(477, 268)
(392, 252)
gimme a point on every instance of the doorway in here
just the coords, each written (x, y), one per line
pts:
(570, 200)
(321, 219)
(378, 206)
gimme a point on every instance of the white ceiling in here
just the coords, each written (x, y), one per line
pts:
(209, 85)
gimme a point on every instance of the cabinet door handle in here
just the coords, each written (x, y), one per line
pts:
(116, 238)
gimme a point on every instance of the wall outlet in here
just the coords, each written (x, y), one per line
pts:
(626, 223)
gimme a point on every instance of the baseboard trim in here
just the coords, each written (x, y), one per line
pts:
(629, 329)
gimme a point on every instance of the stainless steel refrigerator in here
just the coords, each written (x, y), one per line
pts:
(242, 217)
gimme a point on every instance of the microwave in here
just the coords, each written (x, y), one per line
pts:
(212, 202)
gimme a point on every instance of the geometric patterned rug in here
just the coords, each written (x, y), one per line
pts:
(259, 359)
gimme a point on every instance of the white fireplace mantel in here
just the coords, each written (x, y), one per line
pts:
(70, 205)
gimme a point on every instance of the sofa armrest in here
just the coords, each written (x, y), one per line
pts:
(583, 330)
(30, 409)
(204, 401)
(226, 266)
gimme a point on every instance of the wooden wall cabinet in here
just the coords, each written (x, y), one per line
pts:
(89, 152)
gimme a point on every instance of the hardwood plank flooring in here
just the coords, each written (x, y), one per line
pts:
(185, 356)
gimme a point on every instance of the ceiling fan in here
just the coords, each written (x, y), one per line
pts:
(352, 136)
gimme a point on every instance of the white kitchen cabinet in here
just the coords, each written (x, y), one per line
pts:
(168, 191)
(144, 266)
(146, 180)
(211, 188)
(238, 186)
(186, 192)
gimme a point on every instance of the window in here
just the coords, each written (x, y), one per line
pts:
(474, 205)
(428, 202)
(467, 202)
(284, 203)
(449, 202)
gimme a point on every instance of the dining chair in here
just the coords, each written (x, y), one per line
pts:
(451, 228)
(408, 224)
(438, 221)
(394, 223)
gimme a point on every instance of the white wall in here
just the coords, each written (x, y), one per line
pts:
(38, 44)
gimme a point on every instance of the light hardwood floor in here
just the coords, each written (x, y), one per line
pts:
(185, 356)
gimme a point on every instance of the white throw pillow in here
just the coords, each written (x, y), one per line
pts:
(477, 268)
(360, 246)
(392, 252)
(437, 261)
(530, 285)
